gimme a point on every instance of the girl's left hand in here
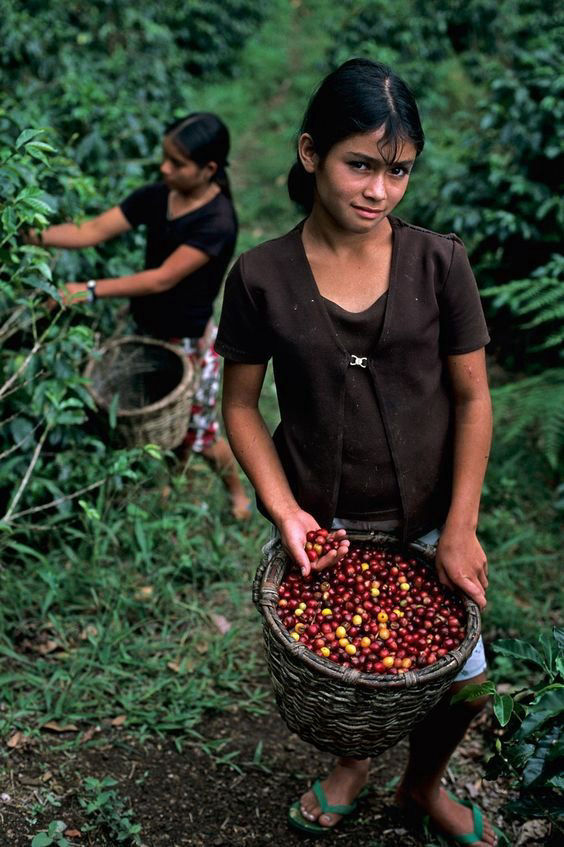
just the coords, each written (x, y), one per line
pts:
(462, 563)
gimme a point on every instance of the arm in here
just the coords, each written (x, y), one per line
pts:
(87, 234)
(183, 262)
(255, 451)
(460, 559)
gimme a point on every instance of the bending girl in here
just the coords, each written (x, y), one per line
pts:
(191, 229)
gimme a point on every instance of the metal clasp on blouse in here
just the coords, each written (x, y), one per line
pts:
(361, 361)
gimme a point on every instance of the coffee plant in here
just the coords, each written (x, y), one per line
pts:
(531, 749)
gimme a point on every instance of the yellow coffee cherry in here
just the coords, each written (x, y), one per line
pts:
(298, 612)
(340, 632)
(326, 612)
(364, 566)
(357, 620)
(343, 642)
(325, 651)
(365, 642)
(295, 636)
(382, 617)
(350, 649)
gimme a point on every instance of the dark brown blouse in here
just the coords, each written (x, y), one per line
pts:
(273, 308)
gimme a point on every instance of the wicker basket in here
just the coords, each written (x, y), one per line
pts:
(342, 710)
(155, 383)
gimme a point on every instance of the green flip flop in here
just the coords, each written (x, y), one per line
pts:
(297, 820)
(477, 822)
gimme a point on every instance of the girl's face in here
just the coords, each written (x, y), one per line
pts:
(182, 173)
(356, 186)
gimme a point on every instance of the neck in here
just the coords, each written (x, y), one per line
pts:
(321, 230)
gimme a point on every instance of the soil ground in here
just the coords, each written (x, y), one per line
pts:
(190, 798)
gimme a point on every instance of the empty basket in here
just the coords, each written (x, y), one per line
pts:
(154, 383)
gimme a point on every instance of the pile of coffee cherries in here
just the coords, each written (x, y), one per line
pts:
(376, 610)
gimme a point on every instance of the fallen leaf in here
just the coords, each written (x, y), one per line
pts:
(88, 631)
(90, 733)
(536, 830)
(144, 592)
(54, 726)
(222, 624)
(173, 666)
(72, 833)
(46, 776)
(119, 721)
(18, 739)
(46, 647)
(202, 647)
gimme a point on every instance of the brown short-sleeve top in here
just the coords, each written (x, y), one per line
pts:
(273, 309)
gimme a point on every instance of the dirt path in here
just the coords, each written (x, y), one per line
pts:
(190, 799)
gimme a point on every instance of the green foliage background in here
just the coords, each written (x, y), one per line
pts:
(87, 90)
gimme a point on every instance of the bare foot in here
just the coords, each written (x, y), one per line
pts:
(341, 787)
(450, 817)
(240, 506)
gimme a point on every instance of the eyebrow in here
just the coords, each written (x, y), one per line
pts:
(403, 162)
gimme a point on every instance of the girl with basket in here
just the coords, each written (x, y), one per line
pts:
(377, 337)
(191, 229)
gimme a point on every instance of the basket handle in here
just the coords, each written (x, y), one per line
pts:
(264, 562)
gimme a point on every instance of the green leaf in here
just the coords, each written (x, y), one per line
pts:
(535, 766)
(113, 411)
(472, 692)
(551, 700)
(558, 634)
(503, 708)
(22, 139)
(42, 840)
(548, 644)
(153, 450)
(531, 723)
(520, 650)
(46, 287)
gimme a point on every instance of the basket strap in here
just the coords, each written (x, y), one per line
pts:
(264, 562)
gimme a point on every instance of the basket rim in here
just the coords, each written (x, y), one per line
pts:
(265, 588)
(187, 375)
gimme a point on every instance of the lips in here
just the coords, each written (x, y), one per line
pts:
(366, 211)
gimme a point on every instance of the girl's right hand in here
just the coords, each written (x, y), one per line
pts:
(293, 530)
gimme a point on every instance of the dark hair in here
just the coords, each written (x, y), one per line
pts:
(360, 96)
(203, 137)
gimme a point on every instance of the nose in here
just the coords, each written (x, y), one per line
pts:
(375, 188)
(165, 167)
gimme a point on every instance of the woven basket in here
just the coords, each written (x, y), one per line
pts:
(155, 383)
(342, 710)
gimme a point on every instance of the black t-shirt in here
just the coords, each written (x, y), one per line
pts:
(184, 310)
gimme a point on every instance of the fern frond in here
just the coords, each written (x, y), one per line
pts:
(533, 408)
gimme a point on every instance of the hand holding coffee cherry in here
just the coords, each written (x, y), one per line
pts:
(320, 544)
(294, 527)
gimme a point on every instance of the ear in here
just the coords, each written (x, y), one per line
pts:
(211, 168)
(307, 154)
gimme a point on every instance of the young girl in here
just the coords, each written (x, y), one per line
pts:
(377, 338)
(191, 232)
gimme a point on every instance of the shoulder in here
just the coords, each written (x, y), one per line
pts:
(276, 253)
(427, 238)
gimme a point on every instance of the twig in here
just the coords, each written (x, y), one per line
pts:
(19, 443)
(58, 501)
(36, 347)
(28, 473)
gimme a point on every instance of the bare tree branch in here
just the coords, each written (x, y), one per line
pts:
(52, 503)
(28, 473)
